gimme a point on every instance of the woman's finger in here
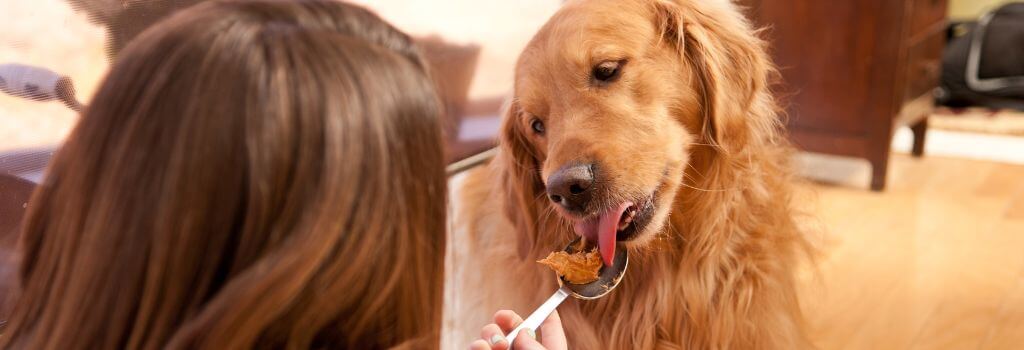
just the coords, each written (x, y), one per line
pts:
(479, 344)
(527, 340)
(507, 320)
(494, 336)
(552, 334)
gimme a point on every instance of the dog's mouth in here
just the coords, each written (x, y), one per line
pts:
(619, 223)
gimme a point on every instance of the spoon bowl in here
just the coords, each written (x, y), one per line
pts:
(608, 278)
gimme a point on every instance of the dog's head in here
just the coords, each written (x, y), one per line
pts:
(611, 98)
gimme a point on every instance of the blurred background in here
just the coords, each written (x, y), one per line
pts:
(909, 115)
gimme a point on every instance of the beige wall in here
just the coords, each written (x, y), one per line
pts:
(964, 9)
(501, 28)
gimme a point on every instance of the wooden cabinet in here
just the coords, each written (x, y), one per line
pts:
(854, 70)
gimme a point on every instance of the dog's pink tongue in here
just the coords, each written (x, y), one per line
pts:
(587, 229)
(607, 228)
(603, 230)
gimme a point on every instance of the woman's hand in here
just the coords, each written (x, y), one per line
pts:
(492, 336)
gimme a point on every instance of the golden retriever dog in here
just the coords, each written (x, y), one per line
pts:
(645, 125)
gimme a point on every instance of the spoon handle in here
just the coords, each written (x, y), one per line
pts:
(540, 314)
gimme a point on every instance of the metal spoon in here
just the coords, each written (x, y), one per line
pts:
(608, 278)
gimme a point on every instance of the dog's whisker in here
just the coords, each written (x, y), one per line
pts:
(694, 181)
(689, 165)
(689, 177)
(702, 189)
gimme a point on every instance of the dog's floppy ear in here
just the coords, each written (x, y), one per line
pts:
(521, 178)
(728, 61)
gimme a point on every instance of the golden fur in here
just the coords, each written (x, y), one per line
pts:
(692, 123)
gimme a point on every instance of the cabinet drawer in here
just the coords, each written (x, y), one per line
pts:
(923, 66)
(924, 14)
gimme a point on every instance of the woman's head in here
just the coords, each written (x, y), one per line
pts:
(250, 173)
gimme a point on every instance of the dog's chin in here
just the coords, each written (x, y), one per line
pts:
(641, 234)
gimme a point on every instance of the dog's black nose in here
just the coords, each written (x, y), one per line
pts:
(572, 186)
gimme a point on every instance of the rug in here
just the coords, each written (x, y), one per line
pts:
(979, 120)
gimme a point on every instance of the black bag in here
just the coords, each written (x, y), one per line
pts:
(984, 64)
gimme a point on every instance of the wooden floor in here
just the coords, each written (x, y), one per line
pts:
(935, 262)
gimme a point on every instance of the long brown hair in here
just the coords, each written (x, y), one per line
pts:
(250, 174)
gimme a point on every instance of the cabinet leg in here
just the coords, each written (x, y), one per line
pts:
(879, 169)
(919, 130)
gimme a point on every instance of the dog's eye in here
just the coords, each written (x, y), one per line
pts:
(537, 126)
(606, 71)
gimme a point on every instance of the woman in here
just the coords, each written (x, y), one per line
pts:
(250, 173)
